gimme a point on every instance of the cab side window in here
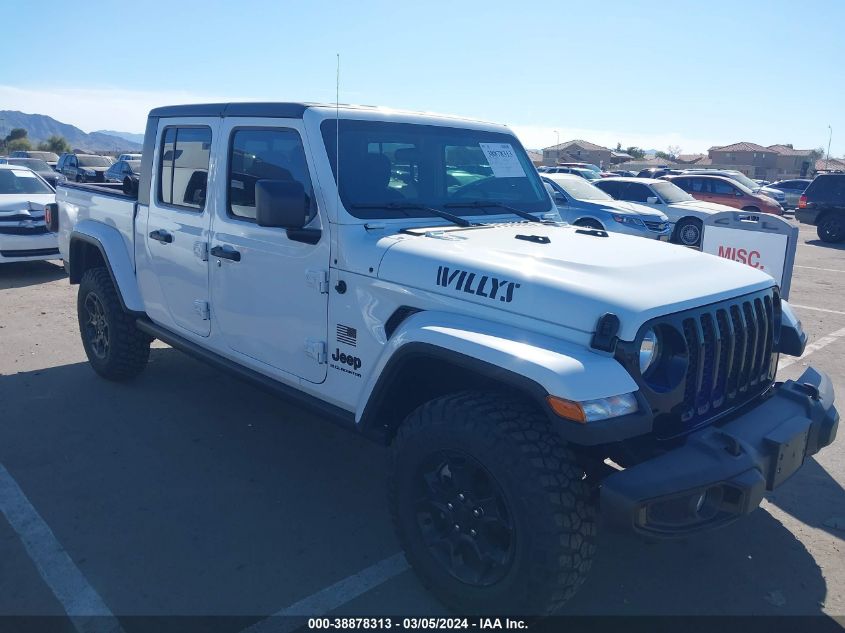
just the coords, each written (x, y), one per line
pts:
(265, 154)
(183, 167)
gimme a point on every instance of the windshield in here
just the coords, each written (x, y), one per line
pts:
(134, 165)
(18, 181)
(671, 193)
(94, 161)
(743, 179)
(580, 189)
(589, 174)
(430, 165)
(43, 156)
(33, 163)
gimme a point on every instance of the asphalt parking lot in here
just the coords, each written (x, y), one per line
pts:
(188, 492)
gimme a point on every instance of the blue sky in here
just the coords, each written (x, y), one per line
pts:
(639, 72)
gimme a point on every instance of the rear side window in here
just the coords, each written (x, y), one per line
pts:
(827, 186)
(265, 154)
(183, 167)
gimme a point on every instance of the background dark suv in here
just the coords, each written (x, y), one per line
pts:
(823, 205)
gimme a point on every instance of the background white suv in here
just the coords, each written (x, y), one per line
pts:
(685, 213)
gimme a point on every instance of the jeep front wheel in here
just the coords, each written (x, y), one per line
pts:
(116, 348)
(490, 505)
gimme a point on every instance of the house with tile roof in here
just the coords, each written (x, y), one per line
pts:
(792, 162)
(834, 164)
(762, 159)
(774, 162)
(577, 151)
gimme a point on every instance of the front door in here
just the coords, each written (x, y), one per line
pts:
(723, 192)
(178, 223)
(269, 285)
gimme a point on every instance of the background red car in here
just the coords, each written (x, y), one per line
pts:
(723, 190)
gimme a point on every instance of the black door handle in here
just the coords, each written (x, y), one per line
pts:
(161, 236)
(226, 252)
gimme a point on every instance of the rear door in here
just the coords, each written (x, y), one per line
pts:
(178, 223)
(269, 285)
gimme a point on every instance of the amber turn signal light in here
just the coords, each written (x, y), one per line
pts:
(567, 409)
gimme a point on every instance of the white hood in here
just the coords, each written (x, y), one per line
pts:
(628, 208)
(25, 202)
(571, 280)
(707, 208)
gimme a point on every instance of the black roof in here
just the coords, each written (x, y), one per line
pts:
(280, 110)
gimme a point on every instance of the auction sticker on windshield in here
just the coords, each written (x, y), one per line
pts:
(502, 160)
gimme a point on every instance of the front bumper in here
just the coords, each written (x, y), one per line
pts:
(639, 230)
(18, 248)
(722, 472)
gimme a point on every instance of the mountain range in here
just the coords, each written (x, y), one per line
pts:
(129, 136)
(40, 127)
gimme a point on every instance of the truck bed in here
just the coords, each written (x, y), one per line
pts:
(103, 202)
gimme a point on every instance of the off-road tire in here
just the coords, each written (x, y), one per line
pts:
(551, 507)
(831, 228)
(683, 232)
(589, 223)
(128, 347)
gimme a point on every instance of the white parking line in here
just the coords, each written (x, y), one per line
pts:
(83, 605)
(332, 597)
(795, 305)
(812, 347)
(829, 270)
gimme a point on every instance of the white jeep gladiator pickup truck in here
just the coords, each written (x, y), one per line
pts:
(406, 275)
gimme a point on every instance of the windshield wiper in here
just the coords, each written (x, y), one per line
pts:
(408, 206)
(479, 204)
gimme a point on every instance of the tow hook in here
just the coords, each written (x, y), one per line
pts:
(810, 389)
(732, 445)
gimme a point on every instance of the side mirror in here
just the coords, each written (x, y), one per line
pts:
(280, 203)
(652, 200)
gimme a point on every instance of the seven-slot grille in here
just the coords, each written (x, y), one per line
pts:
(730, 349)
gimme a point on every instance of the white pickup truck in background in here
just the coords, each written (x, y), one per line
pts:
(395, 272)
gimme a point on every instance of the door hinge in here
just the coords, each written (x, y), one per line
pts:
(201, 250)
(202, 309)
(316, 350)
(318, 279)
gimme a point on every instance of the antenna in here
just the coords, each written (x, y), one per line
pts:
(337, 136)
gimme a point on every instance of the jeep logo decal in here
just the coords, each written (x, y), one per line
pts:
(474, 284)
(340, 359)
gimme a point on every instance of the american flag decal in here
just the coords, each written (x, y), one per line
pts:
(347, 335)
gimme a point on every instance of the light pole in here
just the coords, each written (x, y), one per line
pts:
(829, 139)
(557, 147)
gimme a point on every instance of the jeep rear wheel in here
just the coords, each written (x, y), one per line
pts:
(490, 505)
(831, 228)
(116, 348)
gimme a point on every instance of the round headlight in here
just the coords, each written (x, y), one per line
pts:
(648, 350)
